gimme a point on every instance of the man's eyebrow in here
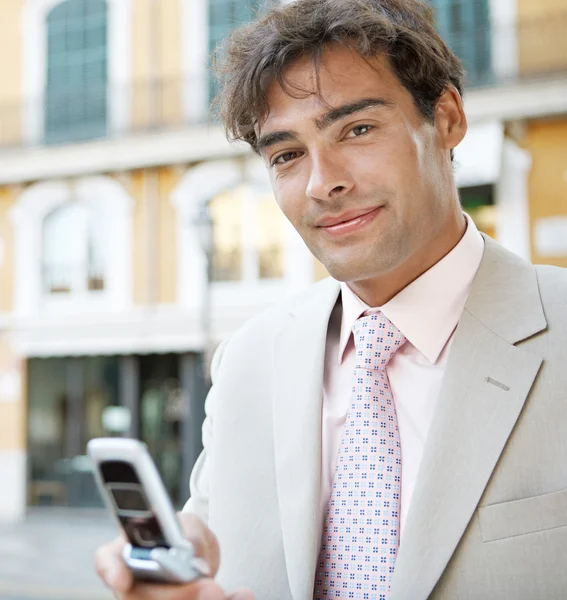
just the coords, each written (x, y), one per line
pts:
(269, 139)
(349, 109)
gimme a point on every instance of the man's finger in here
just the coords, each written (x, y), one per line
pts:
(204, 541)
(111, 568)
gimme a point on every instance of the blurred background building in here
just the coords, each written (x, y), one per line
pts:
(133, 237)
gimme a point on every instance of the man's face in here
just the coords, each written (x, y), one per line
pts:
(363, 177)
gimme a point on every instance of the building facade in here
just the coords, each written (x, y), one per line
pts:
(108, 312)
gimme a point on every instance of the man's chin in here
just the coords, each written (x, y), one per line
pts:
(345, 273)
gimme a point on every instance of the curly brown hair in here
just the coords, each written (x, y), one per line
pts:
(258, 53)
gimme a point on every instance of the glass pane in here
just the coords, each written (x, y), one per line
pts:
(47, 418)
(270, 238)
(465, 26)
(224, 16)
(63, 231)
(97, 244)
(95, 37)
(67, 400)
(163, 406)
(456, 19)
(226, 212)
(75, 41)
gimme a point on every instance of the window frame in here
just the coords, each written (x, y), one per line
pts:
(34, 81)
(197, 187)
(28, 215)
(466, 37)
(78, 78)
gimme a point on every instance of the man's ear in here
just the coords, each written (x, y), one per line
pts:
(450, 119)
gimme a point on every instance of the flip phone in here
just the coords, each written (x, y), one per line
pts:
(134, 493)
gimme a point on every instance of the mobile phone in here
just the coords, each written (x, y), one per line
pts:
(134, 493)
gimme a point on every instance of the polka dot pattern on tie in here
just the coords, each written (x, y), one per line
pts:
(361, 531)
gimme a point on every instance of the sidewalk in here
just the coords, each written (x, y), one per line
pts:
(50, 555)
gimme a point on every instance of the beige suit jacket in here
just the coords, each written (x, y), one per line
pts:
(488, 519)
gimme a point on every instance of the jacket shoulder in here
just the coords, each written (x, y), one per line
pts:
(552, 282)
(269, 321)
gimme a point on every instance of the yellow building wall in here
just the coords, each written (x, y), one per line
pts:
(530, 8)
(11, 71)
(138, 237)
(156, 62)
(12, 395)
(171, 65)
(547, 143)
(155, 230)
(542, 39)
(7, 200)
(167, 237)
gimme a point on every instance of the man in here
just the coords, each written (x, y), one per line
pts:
(412, 416)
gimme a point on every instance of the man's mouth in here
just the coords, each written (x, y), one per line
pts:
(348, 222)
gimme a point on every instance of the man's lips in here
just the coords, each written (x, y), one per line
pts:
(344, 218)
(348, 222)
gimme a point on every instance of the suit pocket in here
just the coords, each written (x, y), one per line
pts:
(519, 517)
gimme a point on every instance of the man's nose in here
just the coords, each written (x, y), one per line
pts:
(329, 177)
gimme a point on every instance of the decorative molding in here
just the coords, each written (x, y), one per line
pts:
(27, 216)
(163, 328)
(529, 99)
(152, 149)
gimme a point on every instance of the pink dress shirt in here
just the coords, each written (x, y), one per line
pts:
(426, 312)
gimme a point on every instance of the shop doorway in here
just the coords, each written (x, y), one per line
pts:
(158, 398)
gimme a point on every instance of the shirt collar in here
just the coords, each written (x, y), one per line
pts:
(428, 309)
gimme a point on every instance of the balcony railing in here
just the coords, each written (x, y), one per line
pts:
(63, 278)
(502, 54)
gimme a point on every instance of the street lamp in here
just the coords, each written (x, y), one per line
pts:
(204, 228)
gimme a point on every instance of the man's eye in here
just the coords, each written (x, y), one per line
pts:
(360, 130)
(283, 158)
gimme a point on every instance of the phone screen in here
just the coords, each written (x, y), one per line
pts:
(131, 505)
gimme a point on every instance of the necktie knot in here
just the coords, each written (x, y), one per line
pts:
(376, 340)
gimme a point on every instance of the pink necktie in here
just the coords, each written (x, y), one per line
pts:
(362, 525)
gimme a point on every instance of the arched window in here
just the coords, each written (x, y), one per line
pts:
(257, 255)
(77, 71)
(74, 257)
(465, 26)
(73, 247)
(249, 234)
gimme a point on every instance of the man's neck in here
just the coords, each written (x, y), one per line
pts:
(381, 289)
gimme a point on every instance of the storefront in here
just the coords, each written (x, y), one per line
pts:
(158, 398)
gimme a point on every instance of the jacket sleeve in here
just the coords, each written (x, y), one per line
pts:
(198, 502)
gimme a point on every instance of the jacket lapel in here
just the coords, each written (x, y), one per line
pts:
(486, 383)
(299, 362)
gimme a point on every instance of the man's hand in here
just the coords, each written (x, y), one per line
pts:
(116, 575)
